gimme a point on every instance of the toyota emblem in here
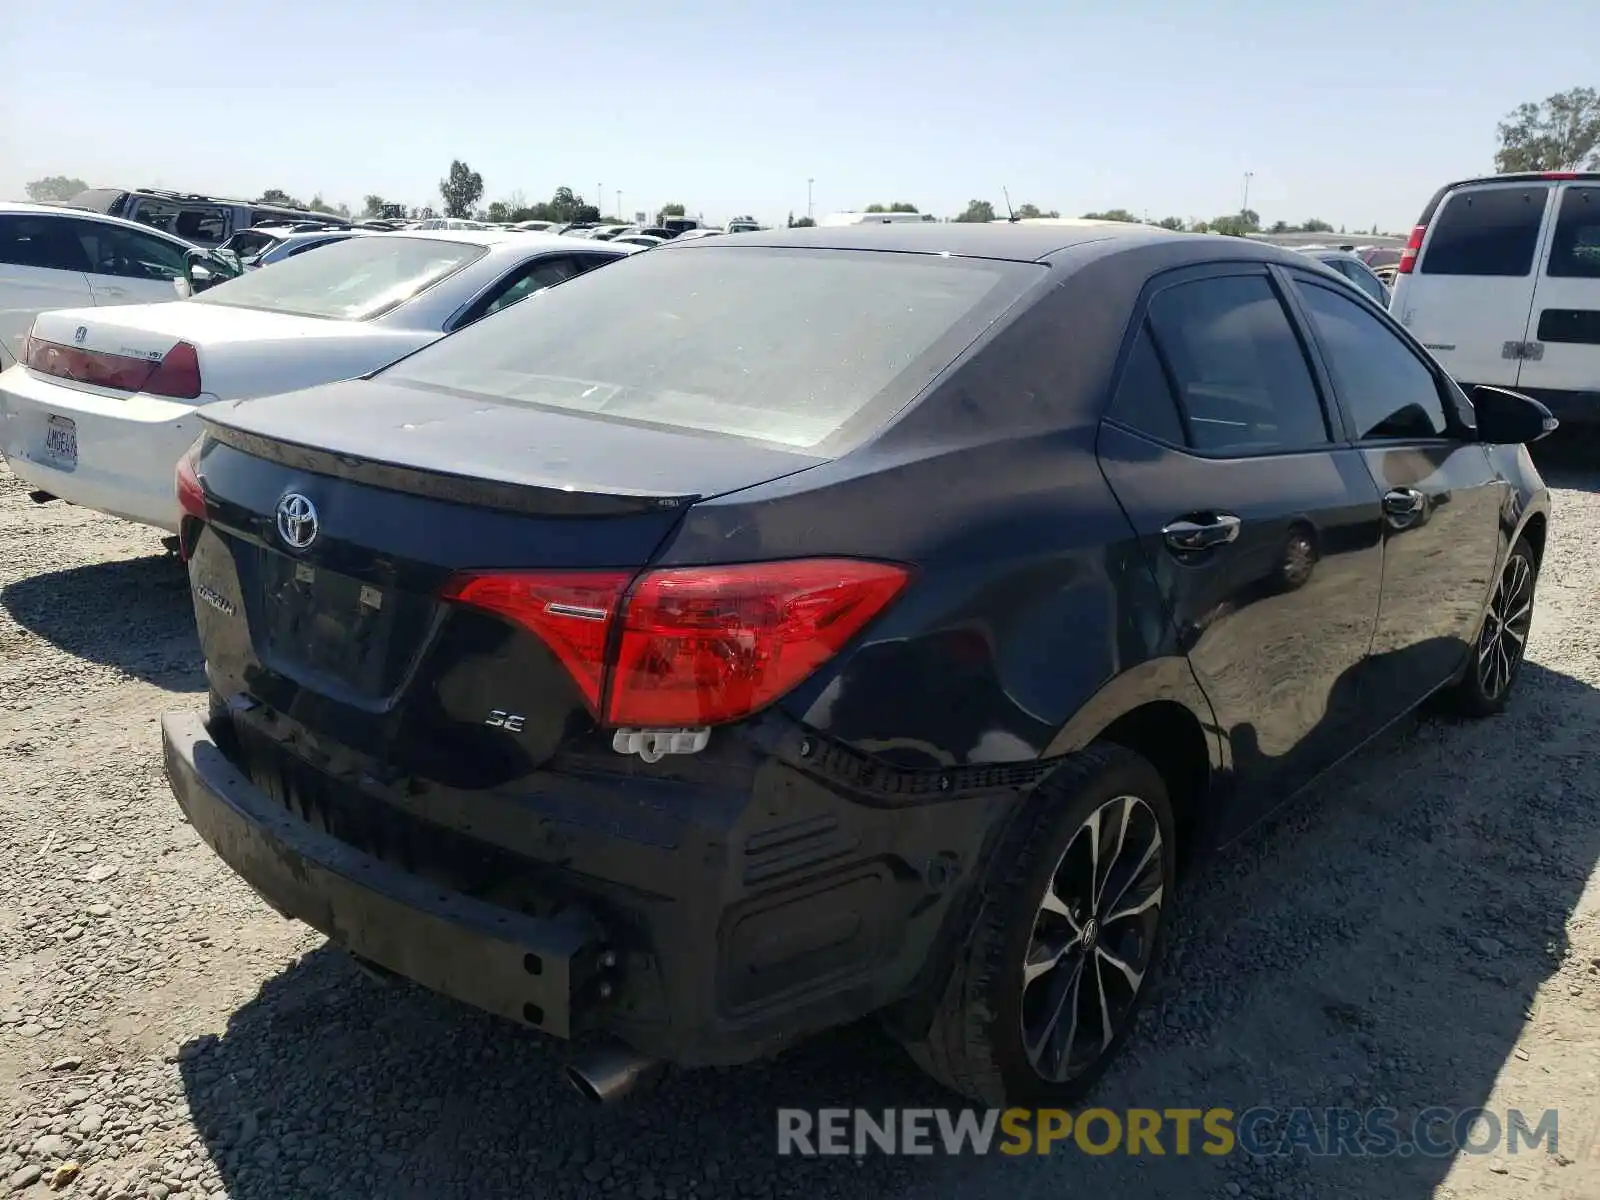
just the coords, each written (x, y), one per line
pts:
(297, 521)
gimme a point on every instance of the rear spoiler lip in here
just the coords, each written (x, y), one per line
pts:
(524, 499)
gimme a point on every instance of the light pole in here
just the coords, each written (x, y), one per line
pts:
(809, 182)
(599, 198)
(619, 204)
(1245, 207)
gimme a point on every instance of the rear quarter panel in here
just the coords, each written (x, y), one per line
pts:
(1031, 596)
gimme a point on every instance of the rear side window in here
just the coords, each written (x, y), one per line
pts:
(1238, 365)
(1575, 252)
(1486, 231)
(806, 349)
(48, 242)
(1144, 395)
(1387, 389)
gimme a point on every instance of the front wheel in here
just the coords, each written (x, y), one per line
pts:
(1503, 641)
(1066, 941)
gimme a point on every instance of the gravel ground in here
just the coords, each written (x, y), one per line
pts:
(1423, 929)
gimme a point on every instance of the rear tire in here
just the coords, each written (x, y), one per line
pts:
(1498, 654)
(1067, 938)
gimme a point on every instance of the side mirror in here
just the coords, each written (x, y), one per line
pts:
(1509, 418)
(205, 269)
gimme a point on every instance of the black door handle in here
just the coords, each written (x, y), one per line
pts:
(1187, 536)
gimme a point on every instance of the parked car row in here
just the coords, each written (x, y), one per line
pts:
(769, 631)
(109, 398)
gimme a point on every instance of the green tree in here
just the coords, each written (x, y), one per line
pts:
(499, 211)
(668, 210)
(55, 189)
(800, 222)
(373, 205)
(1562, 133)
(1171, 223)
(1112, 214)
(318, 204)
(1313, 225)
(977, 211)
(1235, 225)
(279, 197)
(460, 190)
(1030, 211)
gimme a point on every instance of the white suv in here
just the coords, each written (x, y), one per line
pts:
(66, 258)
(1501, 282)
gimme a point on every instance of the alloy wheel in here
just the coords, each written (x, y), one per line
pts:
(1505, 628)
(1093, 939)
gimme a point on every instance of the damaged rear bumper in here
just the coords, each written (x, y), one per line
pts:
(533, 970)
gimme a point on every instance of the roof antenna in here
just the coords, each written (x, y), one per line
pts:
(1010, 214)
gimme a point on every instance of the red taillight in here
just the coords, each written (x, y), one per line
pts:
(705, 645)
(191, 496)
(569, 611)
(177, 374)
(695, 645)
(1408, 256)
(1560, 174)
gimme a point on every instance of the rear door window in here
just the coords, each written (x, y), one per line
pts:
(1238, 365)
(41, 241)
(521, 283)
(1486, 231)
(1575, 250)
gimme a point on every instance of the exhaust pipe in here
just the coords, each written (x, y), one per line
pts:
(605, 1074)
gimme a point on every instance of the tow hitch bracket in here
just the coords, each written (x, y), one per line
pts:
(652, 745)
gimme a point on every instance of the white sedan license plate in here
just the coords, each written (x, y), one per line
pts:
(61, 441)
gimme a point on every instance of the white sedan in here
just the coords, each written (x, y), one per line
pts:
(57, 257)
(103, 403)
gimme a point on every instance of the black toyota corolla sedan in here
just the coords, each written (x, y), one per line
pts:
(776, 629)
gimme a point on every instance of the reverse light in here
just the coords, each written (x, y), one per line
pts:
(1408, 256)
(176, 374)
(694, 646)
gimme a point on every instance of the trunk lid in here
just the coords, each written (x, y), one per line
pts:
(345, 637)
(242, 352)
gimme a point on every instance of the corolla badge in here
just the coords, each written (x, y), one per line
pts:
(81, 332)
(297, 521)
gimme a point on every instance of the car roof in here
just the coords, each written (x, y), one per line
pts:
(1017, 242)
(23, 208)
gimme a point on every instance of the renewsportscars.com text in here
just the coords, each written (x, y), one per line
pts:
(1374, 1132)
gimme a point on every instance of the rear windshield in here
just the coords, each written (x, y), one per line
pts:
(1486, 231)
(353, 280)
(807, 349)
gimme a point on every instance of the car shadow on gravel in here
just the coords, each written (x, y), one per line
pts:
(1377, 946)
(132, 614)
